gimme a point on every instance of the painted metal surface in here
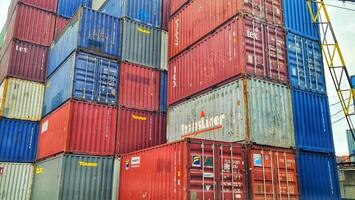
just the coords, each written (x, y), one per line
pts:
(165, 14)
(60, 25)
(18, 140)
(15, 181)
(78, 127)
(217, 58)
(141, 44)
(188, 169)
(351, 144)
(305, 64)
(138, 130)
(176, 5)
(73, 177)
(163, 91)
(299, 21)
(2, 35)
(97, 4)
(164, 50)
(85, 77)
(248, 110)
(68, 8)
(100, 36)
(48, 5)
(25, 61)
(312, 124)
(273, 173)
(317, 176)
(31, 25)
(145, 11)
(139, 87)
(116, 177)
(20, 99)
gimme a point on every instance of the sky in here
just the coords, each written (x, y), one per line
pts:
(343, 23)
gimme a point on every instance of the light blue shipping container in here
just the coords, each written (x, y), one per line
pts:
(298, 19)
(145, 11)
(317, 176)
(89, 30)
(68, 8)
(163, 91)
(18, 140)
(85, 77)
(351, 145)
(305, 63)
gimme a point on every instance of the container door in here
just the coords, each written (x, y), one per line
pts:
(85, 77)
(107, 81)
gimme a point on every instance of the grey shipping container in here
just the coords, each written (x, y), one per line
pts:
(116, 178)
(73, 177)
(164, 50)
(249, 110)
(15, 181)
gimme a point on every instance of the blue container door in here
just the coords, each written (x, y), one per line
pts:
(68, 8)
(163, 91)
(108, 81)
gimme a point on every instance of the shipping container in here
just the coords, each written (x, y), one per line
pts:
(163, 91)
(198, 18)
(24, 60)
(137, 129)
(30, 24)
(78, 127)
(99, 36)
(176, 5)
(139, 87)
(60, 25)
(298, 19)
(97, 4)
(165, 14)
(15, 181)
(249, 110)
(18, 140)
(20, 99)
(317, 176)
(2, 35)
(272, 173)
(85, 77)
(68, 8)
(164, 50)
(188, 169)
(72, 176)
(116, 177)
(351, 145)
(305, 64)
(144, 11)
(218, 58)
(47, 5)
(312, 124)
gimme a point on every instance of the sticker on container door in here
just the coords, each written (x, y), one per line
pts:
(39, 170)
(44, 127)
(135, 161)
(196, 161)
(208, 162)
(1, 171)
(257, 160)
(127, 164)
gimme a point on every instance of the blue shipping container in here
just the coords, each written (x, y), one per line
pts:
(298, 19)
(318, 176)
(18, 140)
(145, 11)
(163, 91)
(312, 124)
(91, 31)
(68, 8)
(305, 63)
(85, 77)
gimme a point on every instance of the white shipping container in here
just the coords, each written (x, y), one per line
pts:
(164, 50)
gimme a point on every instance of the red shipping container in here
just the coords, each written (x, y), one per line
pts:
(138, 130)
(273, 173)
(242, 46)
(175, 5)
(200, 17)
(31, 25)
(60, 24)
(78, 127)
(188, 169)
(165, 14)
(24, 61)
(48, 5)
(139, 87)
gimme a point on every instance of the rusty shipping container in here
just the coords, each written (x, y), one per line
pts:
(138, 130)
(24, 60)
(200, 17)
(139, 87)
(249, 110)
(48, 5)
(78, 127)
(218, 58)
(60, 24)
(188, 169)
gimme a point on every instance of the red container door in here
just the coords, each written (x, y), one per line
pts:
(48, 5)
(60, 24)
(274, 12)
(176, 5)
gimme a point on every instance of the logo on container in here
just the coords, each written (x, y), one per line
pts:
(141, 118)
(253, 34)
(21, 49)
(39, 170)
(143, 30)
(177, 32)
(135, 161)
(87, 164)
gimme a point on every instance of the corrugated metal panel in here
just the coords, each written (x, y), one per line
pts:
(68, 8)
(141, 44)
(73, 177)
(165, 14)
(60, 25)
(139, 130)
(145, 11)
(97, 4)
(18, 140)
(25, 61)
(163, 91)
(20, 99)
(248, 109)
(176, 5)
(48, 5)
(305, 64)
(312, 124)
(298, 20)
(139, 87)
(78, 127)
(15, 181)
(318, 177)
(99, 36)
(164, 50)
(83, 76)
(116, 178)
(351, 144)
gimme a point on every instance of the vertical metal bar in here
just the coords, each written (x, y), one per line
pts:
(232, 170)
(86, 73)
(305, 62)
(272, 174)
(222, 172)
(315, 68)
(287, 184)
(277, 53)
(254, 48)
(203, 171)
(278, 174)
(264, 178)
(214, 171)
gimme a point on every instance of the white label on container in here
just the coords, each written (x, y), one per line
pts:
(44, 127)
(135, 161)
(1, 171)
(208, 175)
(257, 160)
